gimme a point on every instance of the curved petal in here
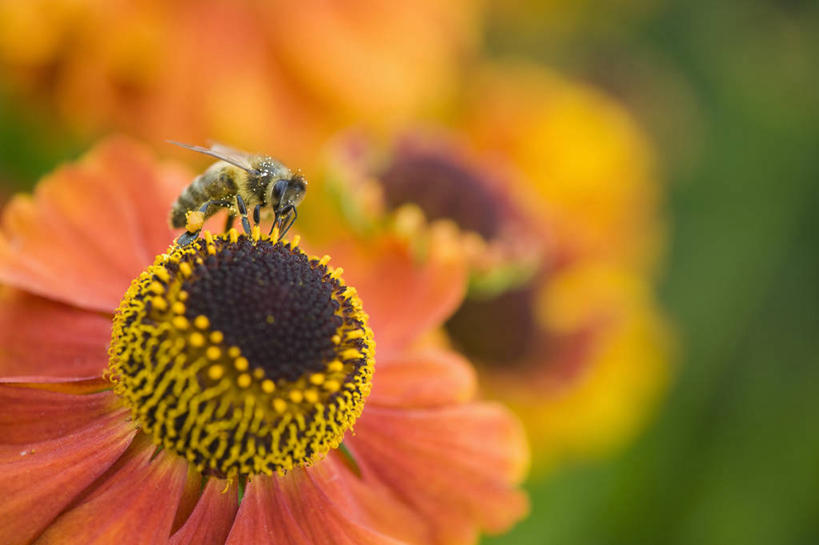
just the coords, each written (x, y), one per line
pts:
(89, 228)
(404, 297)
(192, 491)
(323, 505)
(39, 479)
(40, 337)
(423, 378)
(135, 503)
(264, 517)
(34, 415)
(212, 518)
(457, 466)
(358, 511)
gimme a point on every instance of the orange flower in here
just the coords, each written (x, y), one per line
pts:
(79, 462)
(549, 189)
(262, 75)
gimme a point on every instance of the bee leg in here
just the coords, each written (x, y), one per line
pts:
(240, 204)
(190, 235)
(289, 221)
(257, 216)
(187, 237)
(278, 220)
(294, 214)
(229, 223)
(204, 207)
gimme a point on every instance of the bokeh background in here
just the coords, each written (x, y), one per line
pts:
(725, 91)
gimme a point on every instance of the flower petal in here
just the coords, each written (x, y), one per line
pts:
(404, 297)
(324, 504)
(211, 519)
(424, 378)
(192, 491)
(135, 503)
(358, 511)
(457, 466)
(39, 337)
(34, 415)
(264, 517)
(148, 190)
(89, 228)
(40, 479)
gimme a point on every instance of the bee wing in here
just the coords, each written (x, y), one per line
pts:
(233, 156)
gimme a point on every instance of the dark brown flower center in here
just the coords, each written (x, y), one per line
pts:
(444, 188)
(273, 304)
(498, 330)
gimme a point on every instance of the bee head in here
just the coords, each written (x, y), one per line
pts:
(287, 191)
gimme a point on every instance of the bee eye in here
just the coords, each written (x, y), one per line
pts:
(280, 187)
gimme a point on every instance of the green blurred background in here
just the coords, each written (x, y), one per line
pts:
(729, 92)
(733, 455)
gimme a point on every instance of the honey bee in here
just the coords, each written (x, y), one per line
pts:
(238, 181)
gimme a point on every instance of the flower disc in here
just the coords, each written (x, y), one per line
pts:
(242, 354)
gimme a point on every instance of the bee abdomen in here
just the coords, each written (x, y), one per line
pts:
(214, 184)
(192, 198)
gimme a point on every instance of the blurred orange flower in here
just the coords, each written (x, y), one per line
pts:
(550, 188)
(427, 464)
(260, 75)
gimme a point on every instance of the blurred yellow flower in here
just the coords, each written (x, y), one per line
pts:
(550, 190)
(586, 158)
(260, 75)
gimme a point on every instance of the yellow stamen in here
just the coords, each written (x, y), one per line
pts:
(213, 353)
(311, 396)
(180, 322)
(156, 287)
(201, 322)
(280, 405)
(241, 363)
(332, 386)
(197, 339)
(351, 354)
(163, 275)
(244, 380)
